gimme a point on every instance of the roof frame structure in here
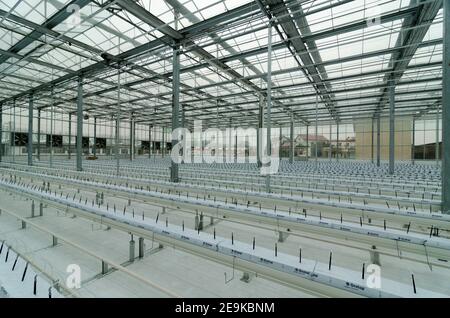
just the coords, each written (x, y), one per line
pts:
(223, 72)
(412, 33)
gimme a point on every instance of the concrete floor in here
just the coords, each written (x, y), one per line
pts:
(182, 273)
(185, 274)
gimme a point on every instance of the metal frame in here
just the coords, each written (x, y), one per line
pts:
(222, 66)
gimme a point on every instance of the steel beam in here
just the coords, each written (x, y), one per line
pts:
(269, 101)
(236, 148)
(316, 162)
(40, 31)
(94, 146)
(150, 19)
(30, 131)
(437, 135)
(52, 22)
(198, 51)
(263, 75)
(306, 51)
(378, 140)
(180, 8)
(14, 132)
(119, 104)
(329, 148)
(175, 107)
(361, 24)
(69, 152)
(183, 125)
(413, 31)
(80, 125)
(183, 117)
(413, 140)
(163, 143)
(371, 143)
(51, 126)
(307, 142)
(132, 137)
(206, 107)
(337, 141)
(31, 60)
(116, 146)
(247, 9)
(391, 127)
(446, 112)
(1, 132)
(280, 139)
(39, 135)
(291, 139)
(200, 26)
(150, 147)
(229, 153)
(303, 95)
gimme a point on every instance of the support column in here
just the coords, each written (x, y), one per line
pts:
(105, 268)
(175, 106)
(413, 139)
(236, 147)
(132, 136)
(329, 151)
(291, 147)
(437, 134)
(52, 125)
(446, 111)
(150, 141)
(118, 120)
(80, 124)
(391, 127)
(30, 131)
(378, 140)
(14, 132)
(259, 135)
(316, 132)
(183, 118)
(337, 141)
(1, 131)
(141, 247)
(39, 136)
(185, 141)
(375, 256)
(116, 146)
(163, 143)
(230, 150)
(69, 152)
(94, 146)
(132, 250)
(307, 142)
(269, 101)
(280, 140)
(371, 144)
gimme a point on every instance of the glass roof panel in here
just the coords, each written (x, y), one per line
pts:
(355, 61)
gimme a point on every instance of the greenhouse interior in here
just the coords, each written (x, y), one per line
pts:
(224, 149)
